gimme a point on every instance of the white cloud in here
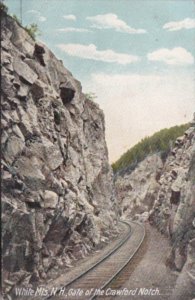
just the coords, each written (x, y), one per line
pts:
(37, 14)
(42, 19)
(70, 17)
(91, 52)
(73, 29)
(175, 56)
(139, 105)
(178, 25)
(32, 11)
(111, 21)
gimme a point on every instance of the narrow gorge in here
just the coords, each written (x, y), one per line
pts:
(61, 200)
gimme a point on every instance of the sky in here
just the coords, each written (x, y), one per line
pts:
(136, 56)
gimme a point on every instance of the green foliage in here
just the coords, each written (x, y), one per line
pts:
(16, 19)
(32, 30)
(91, 96)
(160, 142)
(3, 7)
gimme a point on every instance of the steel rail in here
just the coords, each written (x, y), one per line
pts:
(125, 264)
(112, 251)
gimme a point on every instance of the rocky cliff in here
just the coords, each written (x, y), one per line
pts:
(173, 212)
(57, 187)
(164, 194)
(136, 191)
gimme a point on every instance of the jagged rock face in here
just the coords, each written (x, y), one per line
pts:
(184, 288)
(165, 196)
(182, 255)
(137, 191)
(57, 197)
(174, 209)
(173, 212)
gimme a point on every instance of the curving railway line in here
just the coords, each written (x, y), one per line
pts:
(94, 283)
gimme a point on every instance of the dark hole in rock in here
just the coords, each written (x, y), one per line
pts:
(16, 85)
(10, 263)
(175, 197)
(57, 117)
(158, 176)
(79, 228)
(18, 184)
(8, 185)
(25, 81)
(22, 98)
(96, 212)
(66, 94)
(34, 278)
(38, 53)
(125, 208)
(54, 233)
(95, 125)
(54, 105)
(80, 179)
(6, 241)
(174, 173)
(33, 205)
(45, 252)
(22, 56)
(29, 263)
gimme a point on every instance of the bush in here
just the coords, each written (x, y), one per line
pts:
(91, 96)
(32, 30)
(16, 19)
(160, 142)
(3, 7)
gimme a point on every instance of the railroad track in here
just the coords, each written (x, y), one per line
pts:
(90, 284)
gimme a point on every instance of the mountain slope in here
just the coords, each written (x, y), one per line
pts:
(160, 142)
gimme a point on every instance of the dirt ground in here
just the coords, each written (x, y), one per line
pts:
(148, 270)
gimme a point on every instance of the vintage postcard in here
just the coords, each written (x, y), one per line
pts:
(98, 149)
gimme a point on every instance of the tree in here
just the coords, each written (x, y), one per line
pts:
(160, 142)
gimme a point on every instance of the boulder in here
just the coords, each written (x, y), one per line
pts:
(30, 168)
(37, 90)
(52, 154)
(13, 148)
(23, 70)
(23, 91)
(50, 199)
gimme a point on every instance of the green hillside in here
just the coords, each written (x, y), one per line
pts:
(158, 142)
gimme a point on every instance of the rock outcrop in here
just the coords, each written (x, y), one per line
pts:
(57, 187)
(174, 211)
(164, 195)
(137, 191)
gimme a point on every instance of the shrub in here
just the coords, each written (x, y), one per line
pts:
(32, 30)
(16, 19)
(91, 96)
(3, 7)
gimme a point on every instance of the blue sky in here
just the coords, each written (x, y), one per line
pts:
(137, 56)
